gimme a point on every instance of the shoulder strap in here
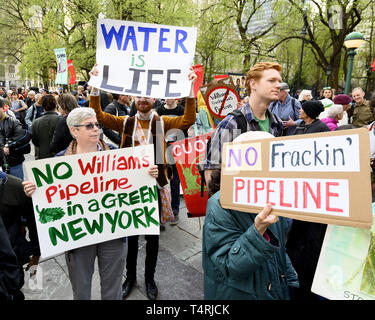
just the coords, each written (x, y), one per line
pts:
(240, 119)
(272, 106)
(294, 106)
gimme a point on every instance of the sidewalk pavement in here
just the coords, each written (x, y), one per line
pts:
(179, 273)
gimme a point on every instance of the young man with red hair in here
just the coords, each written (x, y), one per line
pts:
(263, 82)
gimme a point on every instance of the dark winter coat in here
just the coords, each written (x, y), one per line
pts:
(316, 126)
(238, 262)
(61, 137)
(13, 134)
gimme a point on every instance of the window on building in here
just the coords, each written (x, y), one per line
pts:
(2, 70)
(12, 71)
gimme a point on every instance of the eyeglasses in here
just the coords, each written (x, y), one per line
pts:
(89, 126)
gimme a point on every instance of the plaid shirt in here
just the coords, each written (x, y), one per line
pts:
(227, 131)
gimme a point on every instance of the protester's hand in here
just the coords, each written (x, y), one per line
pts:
(191, 75)
(6, 151)
(264, 219)
(29, 187)
(153, 171)
(289, 123)
(94, 71)
(34, 260)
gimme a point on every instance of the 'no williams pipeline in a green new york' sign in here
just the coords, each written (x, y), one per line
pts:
(90, 198)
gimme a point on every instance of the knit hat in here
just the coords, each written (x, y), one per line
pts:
(342, 99)
(313, 108)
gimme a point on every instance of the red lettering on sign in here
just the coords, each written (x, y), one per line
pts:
(331, 194)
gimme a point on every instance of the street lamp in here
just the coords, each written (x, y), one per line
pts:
(352, 41)
(328, 72)
(303, 35)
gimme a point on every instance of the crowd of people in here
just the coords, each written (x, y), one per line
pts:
(245, 256)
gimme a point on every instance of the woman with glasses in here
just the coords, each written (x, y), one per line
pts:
(111, 255)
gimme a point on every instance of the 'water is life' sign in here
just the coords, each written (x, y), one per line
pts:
(143, 59)
(90, 198)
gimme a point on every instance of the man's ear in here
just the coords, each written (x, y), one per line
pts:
(252, 84)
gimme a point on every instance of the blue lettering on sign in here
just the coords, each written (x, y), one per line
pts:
(179, 42)
(131, 36)
(147, 36)
(162, 39)
(109, 36)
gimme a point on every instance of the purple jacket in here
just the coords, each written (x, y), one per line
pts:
(331, 123)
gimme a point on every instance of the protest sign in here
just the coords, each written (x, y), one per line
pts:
(320, 177)
(142, 59)
(345, 269)
(198, 69)
(221, 97)
(62, 66)
(72, 72)
(187, 154)
(90, 198)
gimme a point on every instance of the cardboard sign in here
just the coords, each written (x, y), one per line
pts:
(90, 198)
(187, 153)
(321, 177)
(221, 97)
(345, 269)
(142, 59)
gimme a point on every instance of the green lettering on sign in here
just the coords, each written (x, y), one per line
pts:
(54, 234)
(75, 232)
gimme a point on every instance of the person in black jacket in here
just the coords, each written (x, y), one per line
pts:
(119, 107)
(305, 239)
(62, 137)
(17, 212)
(173, 109)
(12, 136)
(44, 127)
(309, 113)
(9, 268)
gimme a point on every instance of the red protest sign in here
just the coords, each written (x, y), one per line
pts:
(198, 69)
(72, 72)
(187, 154)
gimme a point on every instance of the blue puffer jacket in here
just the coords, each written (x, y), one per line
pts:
(238, 262)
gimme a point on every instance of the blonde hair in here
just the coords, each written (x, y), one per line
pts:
(256, 72)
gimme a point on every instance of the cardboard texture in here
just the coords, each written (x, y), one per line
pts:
(221, 97)
(322, 177)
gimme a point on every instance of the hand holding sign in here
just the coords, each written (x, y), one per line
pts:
(264, 219)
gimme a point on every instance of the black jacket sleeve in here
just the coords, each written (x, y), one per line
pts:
(9, 269)
(17, 135)
(61, 137)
